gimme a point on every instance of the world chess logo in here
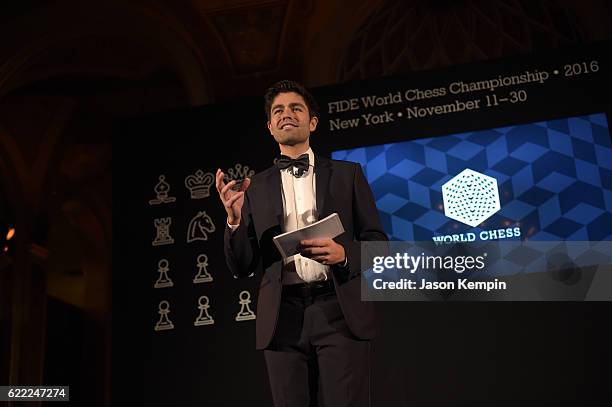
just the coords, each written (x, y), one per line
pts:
(199, 184)
(470, 197)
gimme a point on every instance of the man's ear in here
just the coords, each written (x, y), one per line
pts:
(314, 120)
(270, 126)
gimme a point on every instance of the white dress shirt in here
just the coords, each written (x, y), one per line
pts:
(300, 209)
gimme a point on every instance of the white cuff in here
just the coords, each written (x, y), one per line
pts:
(232, 227)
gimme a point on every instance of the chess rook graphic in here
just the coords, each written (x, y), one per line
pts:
(161, 191)
(199, 227)
(199, 184)
(245, 313)
(203, 276)
(162, 227)
(164, 322)
(470, 197)
(163, 280)
(203, 318)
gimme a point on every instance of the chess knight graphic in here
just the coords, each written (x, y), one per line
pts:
(199, 227)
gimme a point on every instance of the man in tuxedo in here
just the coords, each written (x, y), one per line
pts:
(311, 323)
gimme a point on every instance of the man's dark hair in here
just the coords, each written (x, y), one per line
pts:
(286, 86)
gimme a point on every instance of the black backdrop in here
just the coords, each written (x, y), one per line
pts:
(430, 353)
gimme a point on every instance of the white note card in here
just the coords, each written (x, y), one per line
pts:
(287, 243)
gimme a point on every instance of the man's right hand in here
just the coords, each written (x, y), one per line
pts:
(232, 200)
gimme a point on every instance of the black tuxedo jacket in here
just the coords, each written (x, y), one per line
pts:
(340, 187)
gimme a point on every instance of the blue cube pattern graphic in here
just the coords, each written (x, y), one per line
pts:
(554, 179)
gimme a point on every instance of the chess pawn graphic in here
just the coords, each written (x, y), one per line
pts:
(203, 276)
(199, 184)
(161, 191)
(204, 318)
(162, 227)
(164, 322)
(163, 280)
(245, 313)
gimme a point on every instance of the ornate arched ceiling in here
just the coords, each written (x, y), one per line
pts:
(411, 35)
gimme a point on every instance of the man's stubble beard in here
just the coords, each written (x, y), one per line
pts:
(290, 139)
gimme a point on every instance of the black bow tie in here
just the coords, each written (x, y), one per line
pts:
(301, 163)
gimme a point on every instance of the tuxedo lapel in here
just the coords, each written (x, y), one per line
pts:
(323, 172)
(274, 192)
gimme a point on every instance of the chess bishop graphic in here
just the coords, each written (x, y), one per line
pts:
(162, 190)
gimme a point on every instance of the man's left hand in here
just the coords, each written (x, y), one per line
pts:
(325, 251)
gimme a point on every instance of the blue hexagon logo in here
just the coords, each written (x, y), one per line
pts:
(470, 197)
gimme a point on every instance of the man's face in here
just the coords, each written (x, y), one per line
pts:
(290, 122)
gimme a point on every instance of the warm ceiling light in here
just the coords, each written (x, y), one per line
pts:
(10, 234)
